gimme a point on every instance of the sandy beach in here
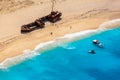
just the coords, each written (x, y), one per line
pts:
(77, 16)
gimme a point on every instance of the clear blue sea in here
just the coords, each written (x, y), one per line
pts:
(71, 61)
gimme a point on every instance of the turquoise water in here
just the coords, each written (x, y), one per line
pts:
(72, 61)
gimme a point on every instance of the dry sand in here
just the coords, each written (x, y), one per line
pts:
(77, 16)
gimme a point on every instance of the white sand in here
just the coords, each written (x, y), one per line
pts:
(77, 16)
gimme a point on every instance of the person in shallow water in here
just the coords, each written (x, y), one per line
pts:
(92, 52)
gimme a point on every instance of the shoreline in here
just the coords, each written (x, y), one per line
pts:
(19, 39)
(41, 47)
(58, 41)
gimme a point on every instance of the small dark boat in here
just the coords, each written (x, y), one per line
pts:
(98, 43)
(91, 52)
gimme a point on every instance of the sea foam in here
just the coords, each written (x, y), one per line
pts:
(27, 54)
(110, 24)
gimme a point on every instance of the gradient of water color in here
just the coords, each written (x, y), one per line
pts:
(72, 61)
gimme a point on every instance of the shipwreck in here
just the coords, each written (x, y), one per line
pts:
(53, 17)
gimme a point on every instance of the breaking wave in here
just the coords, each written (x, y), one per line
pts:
(27, 54)
(110, 24)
